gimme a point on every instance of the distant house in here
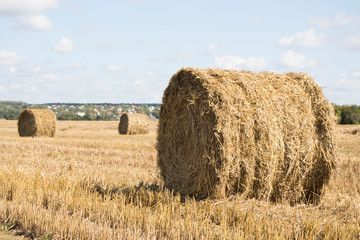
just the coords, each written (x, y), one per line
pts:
(97, 112)
(80, 114)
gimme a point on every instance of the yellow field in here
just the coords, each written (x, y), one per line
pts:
(89, 182)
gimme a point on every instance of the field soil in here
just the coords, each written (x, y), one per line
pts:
(89, 182)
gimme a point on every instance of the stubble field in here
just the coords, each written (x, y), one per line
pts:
(89, 182)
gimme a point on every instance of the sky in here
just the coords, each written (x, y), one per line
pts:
(125, 51)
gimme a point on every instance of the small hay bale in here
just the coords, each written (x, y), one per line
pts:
(37, 123)
(134, 123)
(265, 135)
(355, 131)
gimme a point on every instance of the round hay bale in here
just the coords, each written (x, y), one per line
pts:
(134, 123)
(265, 135)
(37, 123)
(355, 131)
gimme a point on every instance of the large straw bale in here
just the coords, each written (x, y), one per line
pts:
(134, 123)
(264, 135)
(37, 123)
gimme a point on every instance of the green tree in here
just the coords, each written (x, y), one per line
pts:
(338, 111)
(155, 113)
(144, 108)
(346, 116)
(67, 115)
(37, 106)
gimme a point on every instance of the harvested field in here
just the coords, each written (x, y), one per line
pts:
(89, 182)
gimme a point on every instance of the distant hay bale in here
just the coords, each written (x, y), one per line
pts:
(265, 135)
(37, 123)
(355, 131)
(134, 123)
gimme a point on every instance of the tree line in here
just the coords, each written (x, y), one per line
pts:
(10, 110)
(347, 114)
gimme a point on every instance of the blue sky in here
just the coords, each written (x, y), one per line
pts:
(127, 50)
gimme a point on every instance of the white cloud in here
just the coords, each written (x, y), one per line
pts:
(34, 22)
(28, 77)
(150, 74)
(2, 88)
(114, 68)
(256, 20)
(70, 68)
(26, 7)
(182, 56)
(257, 64)
(340, 20)
(229, 62)
(51, 77)
(306, 39)
(346, 89)
(36, 69)
(211, 50)
(10, 58)
(64, 45)
(296, 61)
(34, 89)
(13, 69)
(28, 13)
(352, 43)
(322, 21)
(238, 63)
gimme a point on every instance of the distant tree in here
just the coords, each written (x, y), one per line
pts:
(346, 116)
(338, 111)
(67, 115)
(155, 113)
(114, 111)
(89, 115)
(144, 108)
(37, 106)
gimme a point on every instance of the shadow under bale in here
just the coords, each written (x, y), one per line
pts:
(143, 194)
(265, 135)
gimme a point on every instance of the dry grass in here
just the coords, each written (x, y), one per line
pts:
(89, 182)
